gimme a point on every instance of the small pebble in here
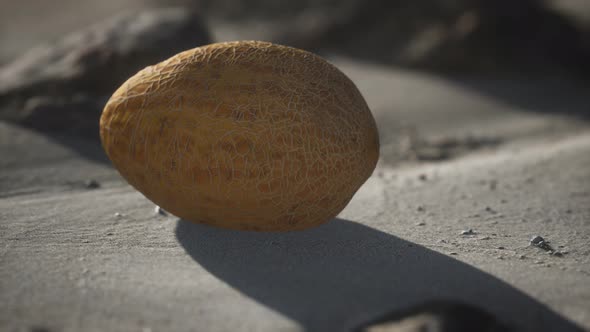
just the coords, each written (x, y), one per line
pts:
(453, 253)
(91, 184)
(118, 215)
(420, 208)
(485, 238)
(468, 232)
(421, 223)
(541, 243)
(522, 257)
(503, 201)
(422, 177)
(501, 248)
(160, 211)
(110, 233)
(490, 210)
(536, 240)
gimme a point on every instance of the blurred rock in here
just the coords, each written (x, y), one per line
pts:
(40, 88)
(437, 317)
(442, 35)
(78, 115)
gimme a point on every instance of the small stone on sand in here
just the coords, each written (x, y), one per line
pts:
(536, 240)
(158, 210)
(91, 184)
(468, 232)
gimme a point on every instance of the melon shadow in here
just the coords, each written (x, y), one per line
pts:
(340, 274)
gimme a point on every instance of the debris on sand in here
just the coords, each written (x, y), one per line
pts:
(159, 211)
(408, 144)
(537, 241)
(468, 232)
(91, 184)
(540, 242)
(490, 210)
(449, 147)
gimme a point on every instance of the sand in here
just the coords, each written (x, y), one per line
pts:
(68, 262)
(75, 258)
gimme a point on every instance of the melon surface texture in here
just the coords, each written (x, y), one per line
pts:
(243, 135)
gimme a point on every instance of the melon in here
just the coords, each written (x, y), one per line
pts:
(244, 135)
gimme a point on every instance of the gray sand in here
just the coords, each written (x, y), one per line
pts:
(74, 258)
(69, 263)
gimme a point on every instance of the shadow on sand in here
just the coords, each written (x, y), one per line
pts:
(333, 277)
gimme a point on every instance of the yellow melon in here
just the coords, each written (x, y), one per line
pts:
(244, 135)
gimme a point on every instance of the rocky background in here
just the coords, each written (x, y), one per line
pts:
(476, 219)
(72, 70)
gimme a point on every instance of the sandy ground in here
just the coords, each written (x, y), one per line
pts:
(68, 263)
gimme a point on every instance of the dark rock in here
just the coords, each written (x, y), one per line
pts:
(443, 35)
(541, 243)
(78, 115)
(39, 89)
(91, 184)
(442, 316)
(536, 240)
